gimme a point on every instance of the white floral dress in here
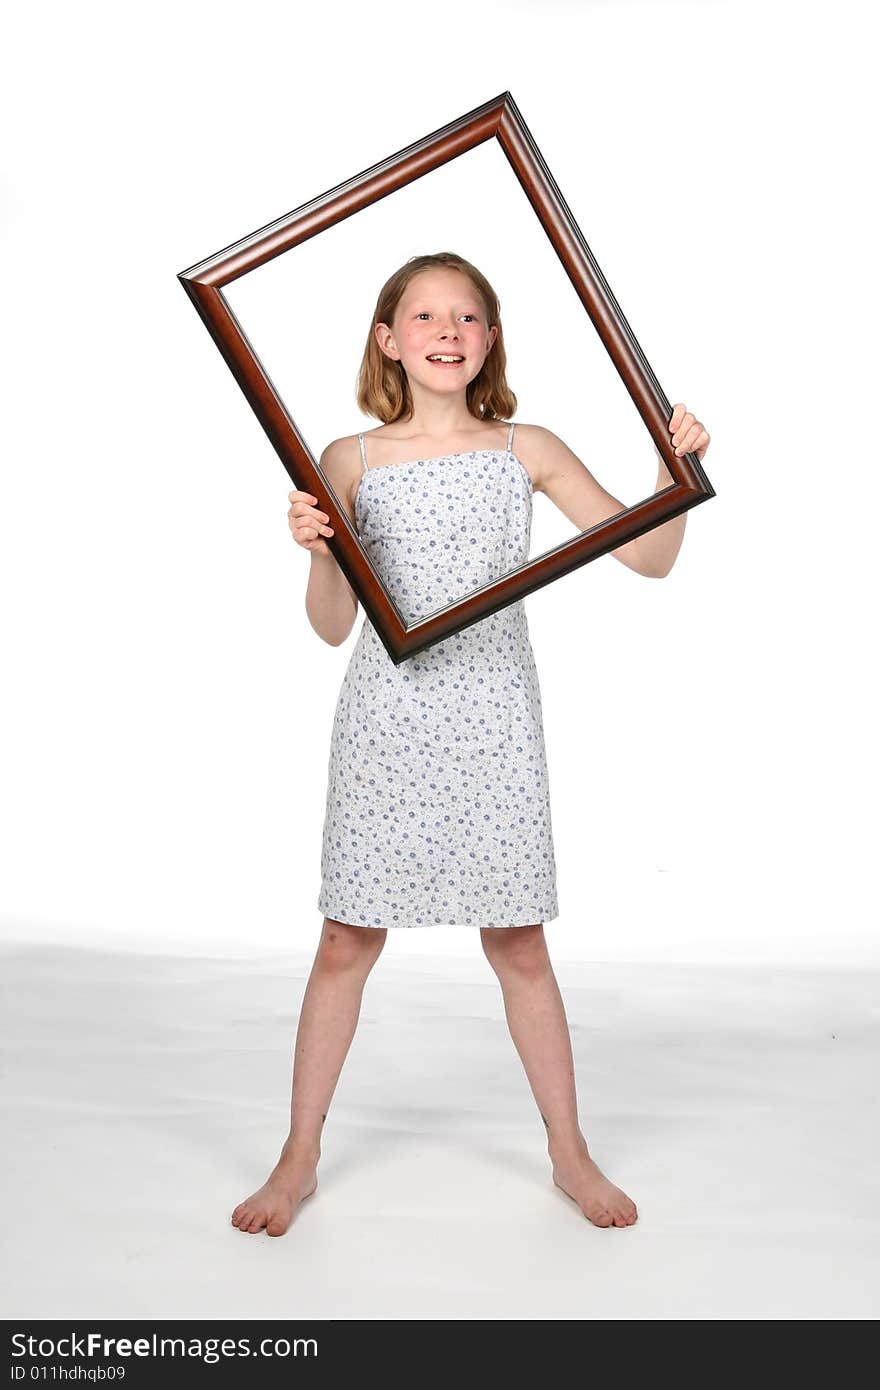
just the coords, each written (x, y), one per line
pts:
(438, 807)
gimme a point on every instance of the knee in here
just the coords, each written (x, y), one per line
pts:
(518, 951)
(344, 947)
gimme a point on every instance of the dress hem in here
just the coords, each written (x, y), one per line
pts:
(528, 920)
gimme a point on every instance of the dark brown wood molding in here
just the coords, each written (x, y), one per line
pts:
(498, 119)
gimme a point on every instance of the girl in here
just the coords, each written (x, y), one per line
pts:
(437, 806)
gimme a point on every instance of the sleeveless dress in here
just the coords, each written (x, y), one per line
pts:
(438, 806)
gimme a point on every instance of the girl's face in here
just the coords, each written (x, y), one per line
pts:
(440, 314)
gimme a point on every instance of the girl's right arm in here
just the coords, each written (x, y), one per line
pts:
(331, 603)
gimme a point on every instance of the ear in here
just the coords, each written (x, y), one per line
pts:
(493, 334)
(385, 339)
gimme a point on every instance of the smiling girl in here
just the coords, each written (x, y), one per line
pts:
(437, 809)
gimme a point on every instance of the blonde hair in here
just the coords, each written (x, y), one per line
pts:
(382, 386)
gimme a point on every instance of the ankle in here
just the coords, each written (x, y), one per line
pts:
(300, 1148)
(567, 1145)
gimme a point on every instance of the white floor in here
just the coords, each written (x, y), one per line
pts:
(144, 1096)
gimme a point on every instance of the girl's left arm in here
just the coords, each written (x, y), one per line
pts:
(580, 497)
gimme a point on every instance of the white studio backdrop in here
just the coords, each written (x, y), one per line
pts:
(167, 708)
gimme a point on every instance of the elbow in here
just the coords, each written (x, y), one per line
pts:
(337, 637)
(331, 636)
(334, 628)
(658, 570)
(334, 639)
(648, 565)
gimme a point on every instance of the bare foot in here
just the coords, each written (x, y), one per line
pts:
(599, 1200)
(293, 1178)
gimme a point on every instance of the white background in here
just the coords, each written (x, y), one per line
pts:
(166, 706)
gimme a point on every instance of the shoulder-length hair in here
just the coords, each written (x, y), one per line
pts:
(382, 386)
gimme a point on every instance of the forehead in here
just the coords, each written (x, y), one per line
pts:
(442, 284)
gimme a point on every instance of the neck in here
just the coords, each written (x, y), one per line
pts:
(439, 417)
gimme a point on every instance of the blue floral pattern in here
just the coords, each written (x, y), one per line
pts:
(438, 807)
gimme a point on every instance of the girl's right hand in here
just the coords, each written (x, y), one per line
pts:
(307, 524)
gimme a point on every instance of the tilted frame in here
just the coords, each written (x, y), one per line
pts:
(498, 119)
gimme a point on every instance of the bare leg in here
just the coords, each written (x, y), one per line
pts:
(539, 1028)
(328, 1018)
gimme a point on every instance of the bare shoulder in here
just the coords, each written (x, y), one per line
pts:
(340, 462)
(541, 452)
(340, 454)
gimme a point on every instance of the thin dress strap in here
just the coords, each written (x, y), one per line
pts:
(363, 451)
(510, 435)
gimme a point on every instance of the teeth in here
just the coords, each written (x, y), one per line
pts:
(439, 357)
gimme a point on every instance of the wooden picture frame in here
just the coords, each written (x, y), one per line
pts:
(499, 119)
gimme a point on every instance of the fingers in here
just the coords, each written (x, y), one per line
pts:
(306, 522)
(688, 434)
(680, 425)
(308, 529)
(695, 440)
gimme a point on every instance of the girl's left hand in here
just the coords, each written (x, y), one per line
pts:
(688, 435)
